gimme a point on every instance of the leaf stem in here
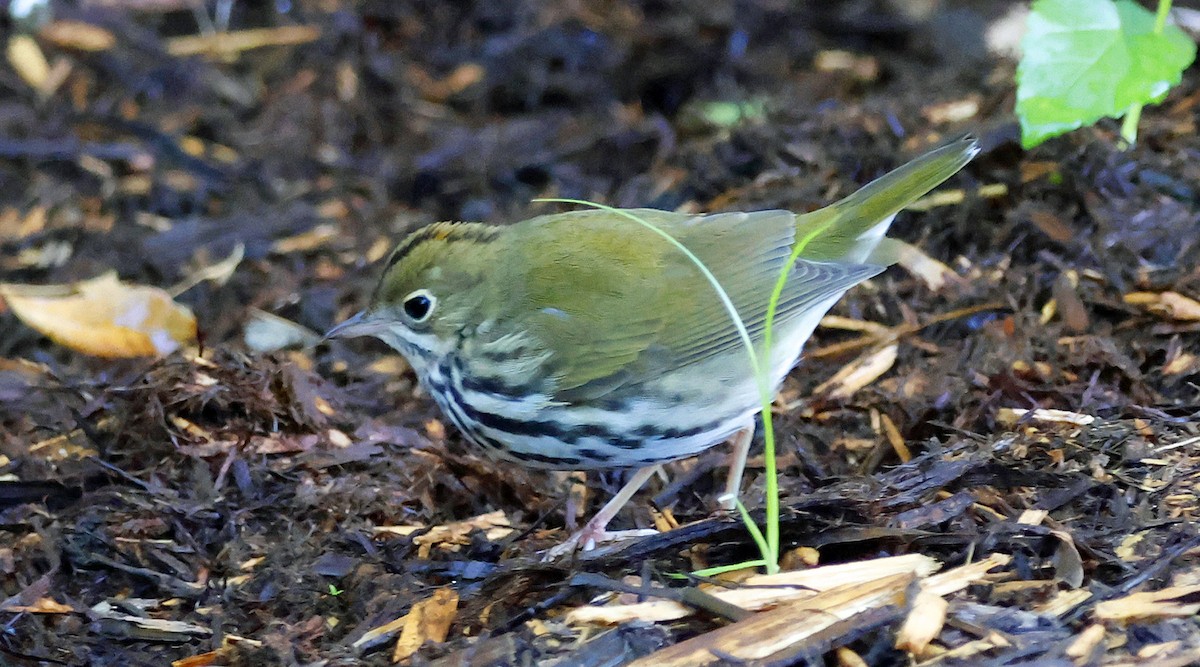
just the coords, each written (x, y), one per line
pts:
(1129, 125)
(1160, 16)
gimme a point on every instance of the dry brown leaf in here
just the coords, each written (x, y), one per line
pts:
(859, 373)
(104, 317)
(428, 620)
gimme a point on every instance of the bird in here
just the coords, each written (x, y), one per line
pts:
(590, 340)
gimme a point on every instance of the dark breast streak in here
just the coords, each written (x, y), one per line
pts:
(446, 384)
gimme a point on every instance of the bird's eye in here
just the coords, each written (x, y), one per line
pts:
(419, 305)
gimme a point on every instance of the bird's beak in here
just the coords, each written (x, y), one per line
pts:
(364, 323)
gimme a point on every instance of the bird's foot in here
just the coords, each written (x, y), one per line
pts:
(728, 502)
(589, 538)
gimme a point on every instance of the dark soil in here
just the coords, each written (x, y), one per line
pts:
(240, 493)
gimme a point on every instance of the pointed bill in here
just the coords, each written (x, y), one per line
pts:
(364, 323)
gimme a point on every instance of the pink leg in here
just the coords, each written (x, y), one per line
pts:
(737, 466)
(594, 531)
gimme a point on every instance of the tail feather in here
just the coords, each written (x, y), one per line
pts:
(850, 229)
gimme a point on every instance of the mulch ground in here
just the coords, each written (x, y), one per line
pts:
(308, 506)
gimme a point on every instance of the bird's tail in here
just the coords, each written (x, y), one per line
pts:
(850, 230)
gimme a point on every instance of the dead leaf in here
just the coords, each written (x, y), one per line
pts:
(104, 317)
(1068, 564)
(266, 332)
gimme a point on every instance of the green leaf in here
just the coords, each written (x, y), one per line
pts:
(1087, 59)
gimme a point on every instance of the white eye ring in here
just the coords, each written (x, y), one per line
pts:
(419, 305)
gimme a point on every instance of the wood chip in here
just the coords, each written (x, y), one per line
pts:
(452, 535)
(762, 591)
(428, 620)
(225, 44)
(894, 438)
(954, 111)
(930, 271)
(1174, 602)
(27, 59)
(1086, 642)
(859, 373)
(953, 197)
(787, 628)
(1063, 602)
(862, 67)
(78, 35)
(957, 579)
(923, 623)
(1172, 305)
(148, 629)
(42, 605)
(1011, 416)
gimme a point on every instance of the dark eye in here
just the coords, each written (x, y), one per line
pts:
(419, 305)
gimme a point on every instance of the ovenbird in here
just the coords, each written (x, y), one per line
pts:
(584, 340)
